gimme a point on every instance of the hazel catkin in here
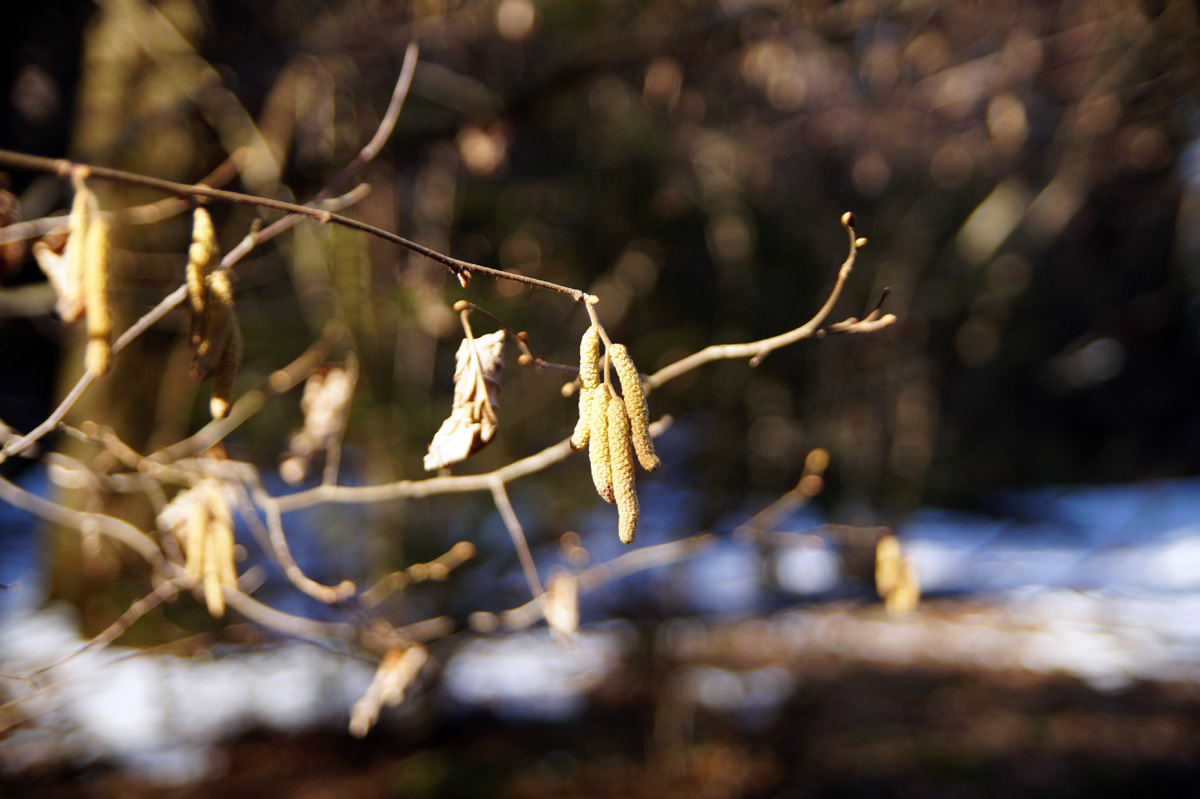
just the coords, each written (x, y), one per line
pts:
(589, 358)
(219, 322)
(583, 427)
(598, 442)
(620, 455)
(98, 356)
(70, 303)
(201, 253)
(635, 404)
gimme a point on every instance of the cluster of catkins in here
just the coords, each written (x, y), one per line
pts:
(613, 428)
(214, 330)
(203, 526)
(79, 274)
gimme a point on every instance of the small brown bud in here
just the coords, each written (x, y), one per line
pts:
(859, 243)
(524, 359)
(848, 219)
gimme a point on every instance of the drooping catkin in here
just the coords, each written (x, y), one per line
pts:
(71, 302)
(589, 380)
(598, 442)
(583, 428)
(219, 323)
(214, 596)
(620, 454)
(226, 374)
(195, 528)
(201, 253)
(635, 403)
(589, 358)
(98, 356)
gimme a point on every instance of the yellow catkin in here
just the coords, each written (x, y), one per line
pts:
(635, 403)
(589, 358)
(588, 398)
(98, 355)
(219, 323)
(579, 438)
(195, 529)
(620, 454)
(598, 443)
(226, 375)
(214, 596)
(71, 302)
(907, 593)
(200, 257)
(221, 530)
(887, 565)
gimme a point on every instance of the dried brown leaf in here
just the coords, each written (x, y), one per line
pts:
(472, 421)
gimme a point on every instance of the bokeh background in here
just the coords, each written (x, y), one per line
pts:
(1028, 177)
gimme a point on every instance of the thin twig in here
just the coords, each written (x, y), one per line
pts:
(518, 538)
(386, 125)
(18, 445)
(622, 566)
(64, 167)
(283, 553)
(757, 350)
(449, 484)
(436, 569)
(164, 591)
(114, 528)
(147, 214)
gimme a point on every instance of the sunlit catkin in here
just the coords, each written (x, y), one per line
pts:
(219, 323)
(214, 596)
(195, 527)
(635, 403)
(887, 565)
(98, 355)
(589, 358)
(200, 258)
(598, 442)
(221, 532)
(907, 593)
(620, 454)
(583, 427)
(71, 302)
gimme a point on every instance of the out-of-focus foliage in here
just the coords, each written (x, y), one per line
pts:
(1026, 174)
